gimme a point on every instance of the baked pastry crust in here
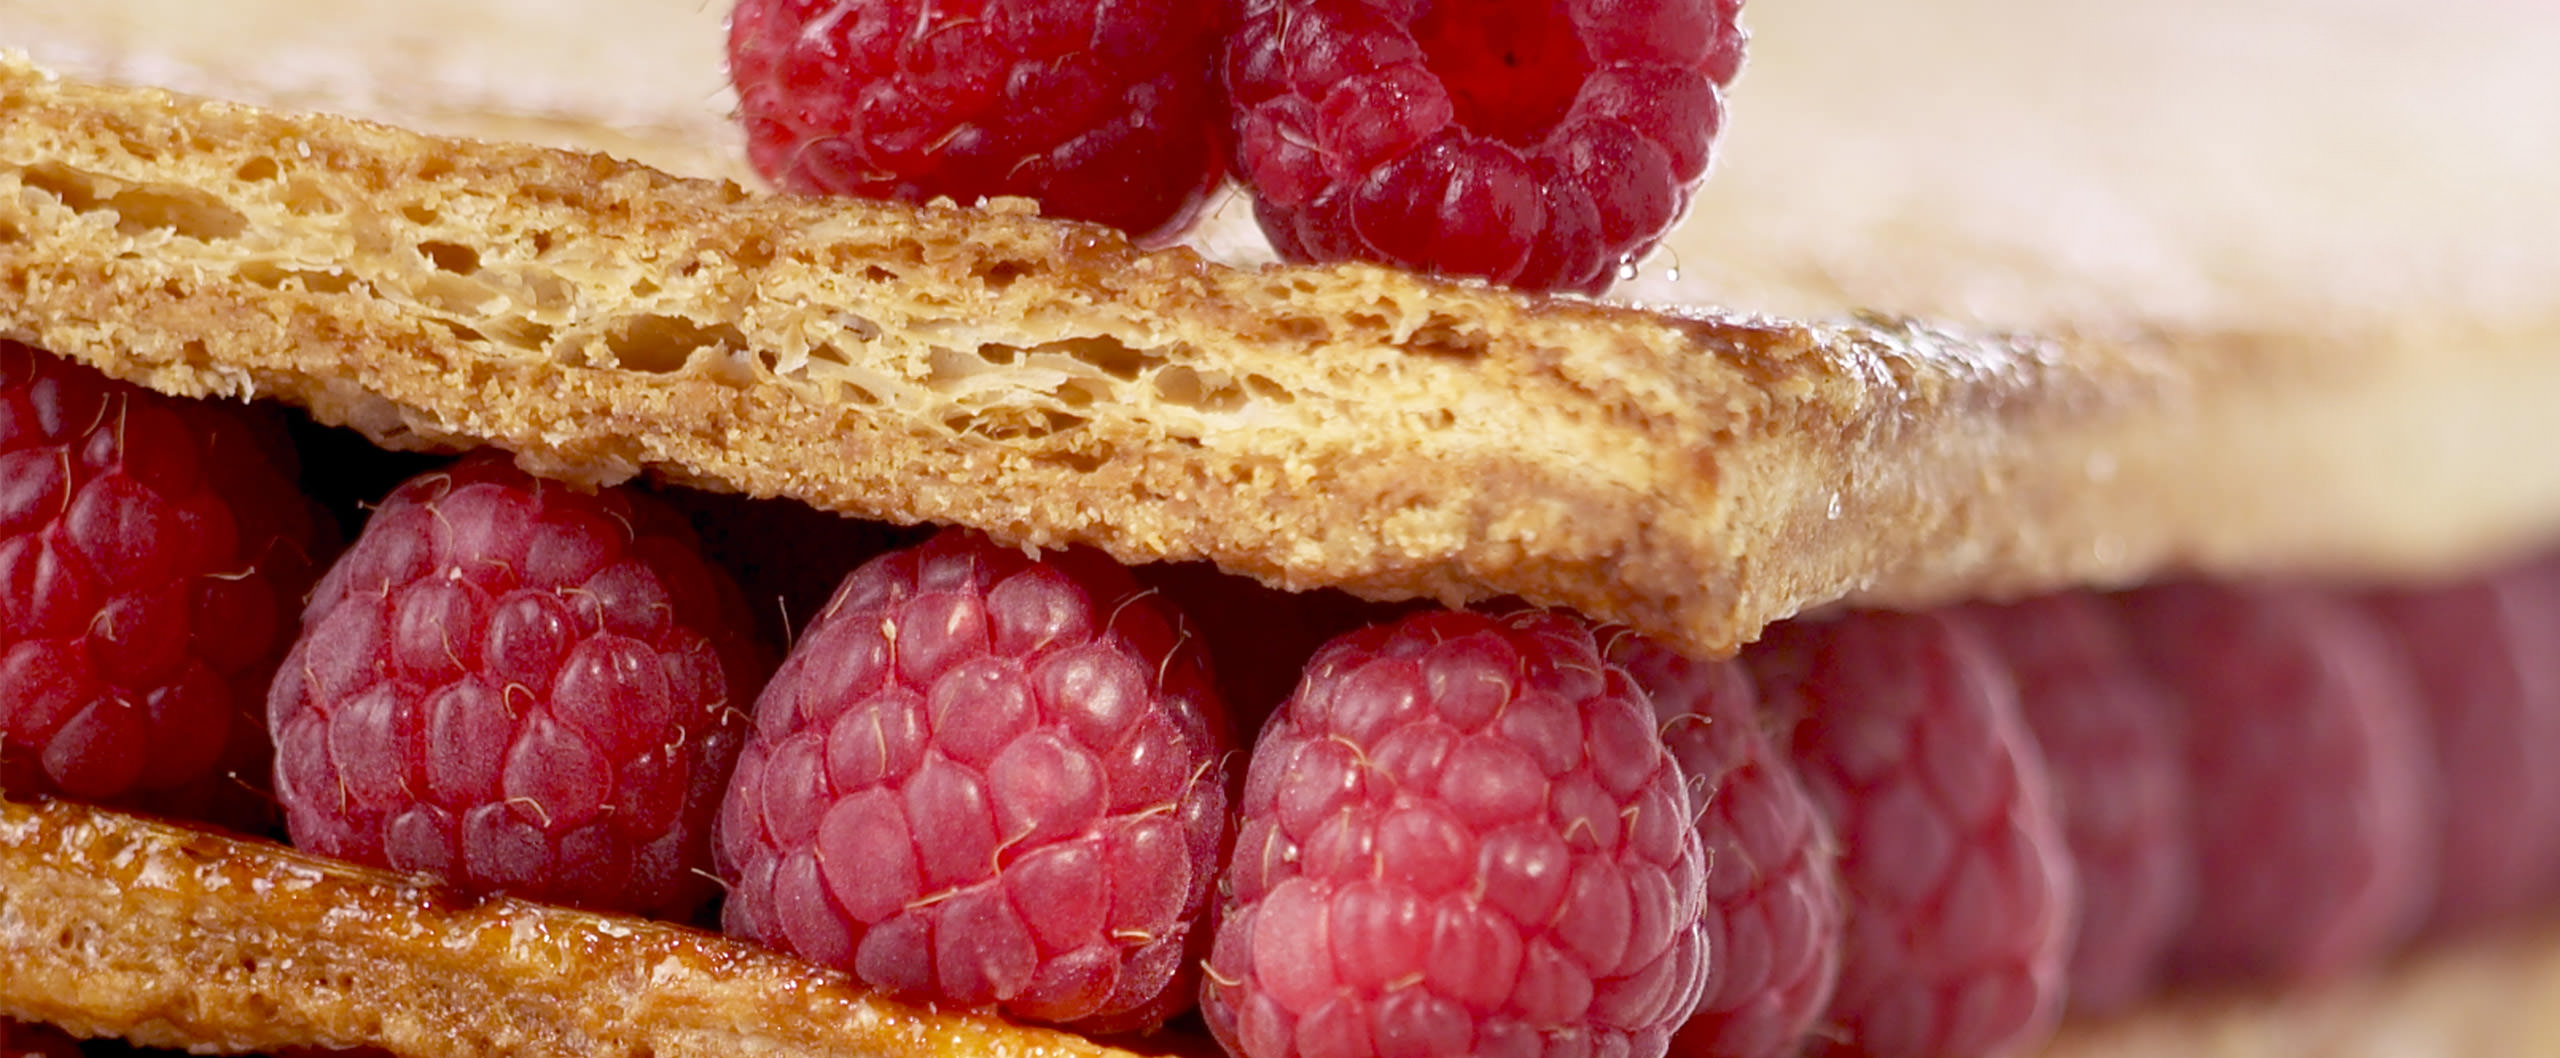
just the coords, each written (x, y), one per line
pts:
(166, 936)
(111, 925)
(1695, 476)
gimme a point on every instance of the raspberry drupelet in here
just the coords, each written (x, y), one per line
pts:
(153, 552)
(520, 688)
(2310, 788)
(1536, 143)
(1773, 909)
(984, 779)
(2111, 743)
(1461, 835)
(1102, 112)
(1959, 886)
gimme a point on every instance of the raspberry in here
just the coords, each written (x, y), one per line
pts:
(985, 779)
(520, 688)
(2309, 791)
(1959, 887)
(1538, 143)
(1773, 891)
(1461, 835)
(20, 1039)
(2111, 744)
(2488, 680)
(1103, 112)
(152, 553)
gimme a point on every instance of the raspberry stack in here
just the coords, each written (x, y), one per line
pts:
(995, 780)
(1101, 112)
(1959, 892)
(152, 555)
(1537, 143)
(1541, 144)
(1773, 908)
(1462, 835)
(984, 779)
(519, 688)
(2311, 790)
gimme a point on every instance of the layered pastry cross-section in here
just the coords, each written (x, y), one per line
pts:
(1997, 369)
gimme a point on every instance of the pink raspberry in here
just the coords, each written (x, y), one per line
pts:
(152, 553)
(2111, 744)
(985, 779)
(1103, 112)
(20, 1039)
(2485, 655)
(1538, 143)
(1773, 910)
(1959, 885)
(2309, 788)
(1462, 835)
(520, 688)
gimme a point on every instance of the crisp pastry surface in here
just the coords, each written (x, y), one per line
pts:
(1695, 476)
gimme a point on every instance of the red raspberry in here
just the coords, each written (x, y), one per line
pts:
(20, 1039)
(2488, 676)
(1538, 143)
(1959, 887)
(2309, 790)
(521, 688)
(1773, 909)
(2110, 742)
(1103, 112)
(1461, 836)
(152, 553)
(986, 779)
